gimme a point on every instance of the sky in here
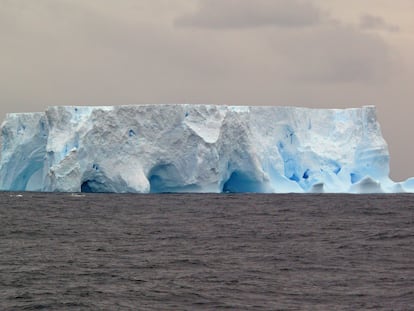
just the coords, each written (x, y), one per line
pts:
(310, 53)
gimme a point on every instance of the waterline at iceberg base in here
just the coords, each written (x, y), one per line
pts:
(196, 148)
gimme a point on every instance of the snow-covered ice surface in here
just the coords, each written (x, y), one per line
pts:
(196, 148)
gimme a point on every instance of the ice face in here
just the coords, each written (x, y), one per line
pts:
(24, 138)
(196, 148)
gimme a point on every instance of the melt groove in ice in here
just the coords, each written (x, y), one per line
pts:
(196, 148)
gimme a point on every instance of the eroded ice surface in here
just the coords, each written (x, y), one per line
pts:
(196, 148)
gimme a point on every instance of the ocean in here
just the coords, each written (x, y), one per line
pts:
(206, 252)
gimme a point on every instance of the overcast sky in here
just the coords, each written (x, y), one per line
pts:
(313, 53)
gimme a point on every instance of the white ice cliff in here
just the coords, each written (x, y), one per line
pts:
(196, 148)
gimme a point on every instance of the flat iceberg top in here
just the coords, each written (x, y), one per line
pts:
(195, 148)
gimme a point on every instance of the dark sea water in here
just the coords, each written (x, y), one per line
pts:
(206, 252)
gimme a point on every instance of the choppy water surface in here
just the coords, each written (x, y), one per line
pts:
(206, 252)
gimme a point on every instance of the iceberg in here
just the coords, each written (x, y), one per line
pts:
(196, 148)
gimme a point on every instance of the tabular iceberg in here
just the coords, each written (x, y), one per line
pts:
(196, 148)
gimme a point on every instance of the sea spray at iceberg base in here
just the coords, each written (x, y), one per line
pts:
(196, 148)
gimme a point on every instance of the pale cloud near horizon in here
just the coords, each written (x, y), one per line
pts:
(263, 52)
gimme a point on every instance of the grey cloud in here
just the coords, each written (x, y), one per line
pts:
(373, 22)
(252, 13)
